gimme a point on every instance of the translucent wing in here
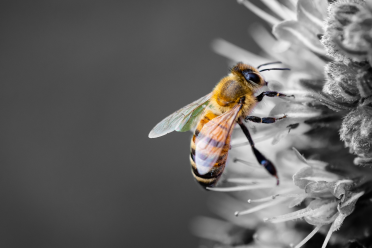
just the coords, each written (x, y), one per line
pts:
(213, 141)
(181, 120)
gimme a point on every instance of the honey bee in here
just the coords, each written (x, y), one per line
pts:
(213, 118)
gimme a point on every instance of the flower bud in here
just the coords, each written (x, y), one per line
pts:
(339, 39)
(341, 82)
(356, 131)
(364, 82)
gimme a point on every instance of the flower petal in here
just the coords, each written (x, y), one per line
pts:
(280, 9)
(298, 200)
(316, 187)
(295, 33)
(312, 98)
(311, 14)
(347, 207)
(324, 211)
(290, 216)
(299, 175)
(340, 188)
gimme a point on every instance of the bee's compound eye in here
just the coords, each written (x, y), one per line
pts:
(251, 76)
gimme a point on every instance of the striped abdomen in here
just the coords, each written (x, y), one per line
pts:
(210, 146)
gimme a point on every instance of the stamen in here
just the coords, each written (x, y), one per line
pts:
(299, 155)
(259, 182)
(263, 14)
(272, 197)
(242, 188)
(316, 229)
(247, 180)
(291, 216)
(260, 207)
(329, 234)
(318, 179)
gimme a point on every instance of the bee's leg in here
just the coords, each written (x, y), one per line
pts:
(271, 94)
(262, 160)
(263, 119)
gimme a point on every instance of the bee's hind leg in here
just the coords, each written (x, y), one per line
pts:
(266, 120)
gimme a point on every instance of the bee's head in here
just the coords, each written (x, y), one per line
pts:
(248, 74)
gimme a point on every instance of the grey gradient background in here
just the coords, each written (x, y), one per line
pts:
(82, 84)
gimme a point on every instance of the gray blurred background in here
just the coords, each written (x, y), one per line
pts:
(82, 84)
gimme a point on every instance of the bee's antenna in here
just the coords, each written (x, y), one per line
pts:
(276, 62)
(275, 69)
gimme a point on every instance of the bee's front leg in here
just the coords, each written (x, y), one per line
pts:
(266, 120)
(271, 94)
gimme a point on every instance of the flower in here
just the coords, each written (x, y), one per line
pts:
(348, 39)
(348, 36)
(328, 47)
(356, 132)
(333, 198)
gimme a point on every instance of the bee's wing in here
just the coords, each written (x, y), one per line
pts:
(181, 120)
(214, 139)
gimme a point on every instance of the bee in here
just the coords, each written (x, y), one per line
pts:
(213, 118)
